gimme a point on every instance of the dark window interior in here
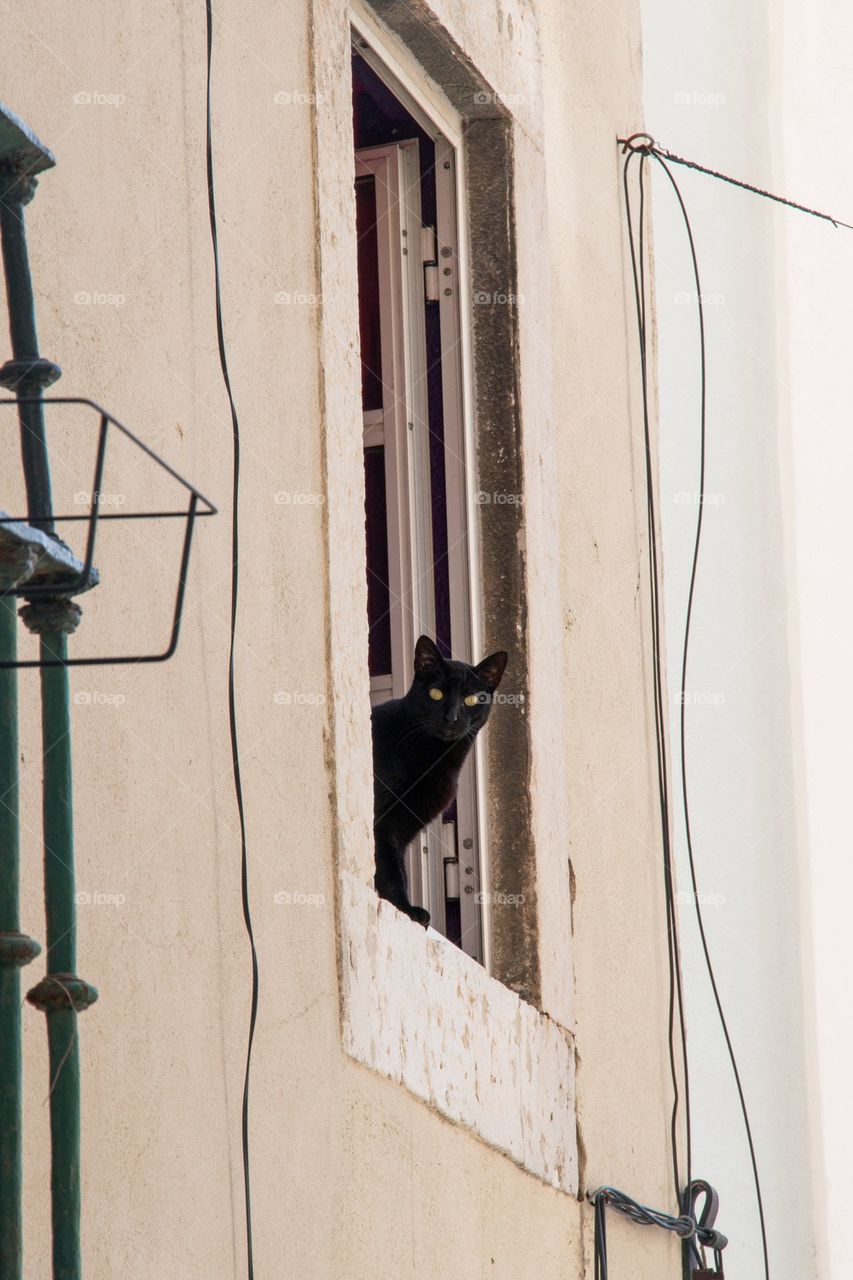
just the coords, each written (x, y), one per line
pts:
(379, 119)
(368, 295)
(378, 596)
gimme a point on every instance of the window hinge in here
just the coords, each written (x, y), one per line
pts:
(451, 878)
(429, 256)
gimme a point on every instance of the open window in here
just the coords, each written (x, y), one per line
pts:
(416, 520)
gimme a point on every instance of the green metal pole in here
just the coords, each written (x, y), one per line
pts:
(21, 156)
(10, 982)
(16, 949)
(61, 995)
(59, 887)
(59, 900)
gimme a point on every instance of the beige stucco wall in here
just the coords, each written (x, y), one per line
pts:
(353, 1176)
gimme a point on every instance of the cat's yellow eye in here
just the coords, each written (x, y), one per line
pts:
(436, 695)
(471, 700)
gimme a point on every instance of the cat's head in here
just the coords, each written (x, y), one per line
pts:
(453, 699)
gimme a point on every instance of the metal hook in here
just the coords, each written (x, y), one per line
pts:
(628, 144)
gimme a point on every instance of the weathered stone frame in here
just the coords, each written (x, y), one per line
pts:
(512, 859)
(418, 1011)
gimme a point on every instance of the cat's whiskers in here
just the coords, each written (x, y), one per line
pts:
(413, 733)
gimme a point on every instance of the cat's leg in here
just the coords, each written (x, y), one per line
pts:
(390, 879)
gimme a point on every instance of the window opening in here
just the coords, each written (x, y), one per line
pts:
(415, 513)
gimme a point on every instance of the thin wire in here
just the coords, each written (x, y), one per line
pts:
(232, 708)
(71, 1042)
(662, 720)
(663, 794)
(675, 986)
(662, 154)
(660, 723)
(676, 989)
(639, 297)
(685, 653)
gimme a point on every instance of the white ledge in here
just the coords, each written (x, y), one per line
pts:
(422, 1013)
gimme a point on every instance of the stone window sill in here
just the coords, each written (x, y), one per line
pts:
(422, 1013)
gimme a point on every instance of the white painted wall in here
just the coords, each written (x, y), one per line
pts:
(764, 92)
(816, 94)
(352, 1174)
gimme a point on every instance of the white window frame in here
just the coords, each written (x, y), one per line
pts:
(401, 428)
(410, 509)
(401, 425)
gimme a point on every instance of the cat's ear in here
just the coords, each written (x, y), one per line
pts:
(491, 669)
(428, 661)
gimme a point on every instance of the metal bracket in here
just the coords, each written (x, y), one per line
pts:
(40, 567)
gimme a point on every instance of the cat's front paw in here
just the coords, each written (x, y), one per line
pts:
(419, 916)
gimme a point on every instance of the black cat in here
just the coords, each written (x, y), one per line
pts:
(420, 743)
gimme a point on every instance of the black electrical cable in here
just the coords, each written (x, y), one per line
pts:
(650, 147)
(600, 1258)
(661, 718)
(685, 803)
(645, 150)
(232, 707)
(676, 995)
(683, 1226)
(696, 1236)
